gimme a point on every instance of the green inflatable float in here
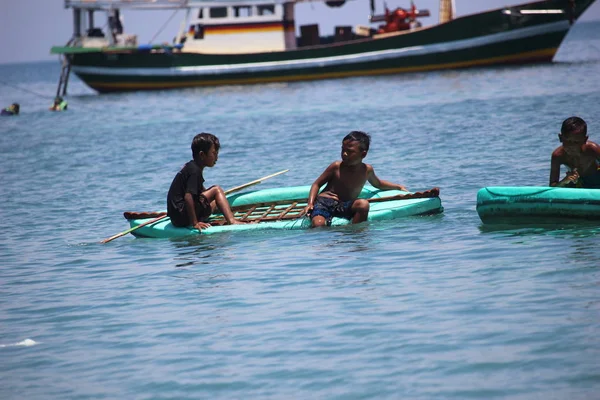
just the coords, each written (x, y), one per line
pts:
(281, 208)
(528, 204)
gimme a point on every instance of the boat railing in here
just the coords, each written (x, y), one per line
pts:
(164, 4)
(111, 4)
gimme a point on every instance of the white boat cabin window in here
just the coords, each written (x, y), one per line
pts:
(266, 9)
(218, 12)
(242, 11)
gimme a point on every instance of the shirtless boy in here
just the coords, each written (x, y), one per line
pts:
(580, 156)
(345, 180)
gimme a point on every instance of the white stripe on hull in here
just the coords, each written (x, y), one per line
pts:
(372, 56)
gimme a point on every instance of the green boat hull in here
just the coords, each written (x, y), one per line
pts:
(547, 205)
(384, 210)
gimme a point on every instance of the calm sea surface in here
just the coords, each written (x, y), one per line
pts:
(423, 308)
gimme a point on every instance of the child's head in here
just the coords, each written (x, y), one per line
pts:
(573, 130)
(355, 147)
(15, 107)
(203, 142)
(363, 139)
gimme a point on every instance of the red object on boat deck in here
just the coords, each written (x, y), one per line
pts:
(399, 19)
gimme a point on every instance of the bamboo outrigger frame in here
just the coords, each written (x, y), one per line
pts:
(269, 211)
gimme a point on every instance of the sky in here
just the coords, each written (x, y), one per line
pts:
(29, 28)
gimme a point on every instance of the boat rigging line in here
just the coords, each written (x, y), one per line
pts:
(163, 26)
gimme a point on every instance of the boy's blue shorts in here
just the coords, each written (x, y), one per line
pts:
(329, 208)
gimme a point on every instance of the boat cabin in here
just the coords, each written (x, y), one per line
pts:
(86, 33)
(241, 28)
(221, 27)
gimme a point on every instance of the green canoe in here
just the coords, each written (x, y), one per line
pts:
(529, 204)
(279, 209)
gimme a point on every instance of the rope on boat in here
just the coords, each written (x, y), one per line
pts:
(162, 28)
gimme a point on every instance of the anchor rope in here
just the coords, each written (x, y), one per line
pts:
(43, 96)
(26, 90)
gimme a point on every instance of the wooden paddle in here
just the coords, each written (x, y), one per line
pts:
(232, 190)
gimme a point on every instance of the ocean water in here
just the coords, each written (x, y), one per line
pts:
(438, 307)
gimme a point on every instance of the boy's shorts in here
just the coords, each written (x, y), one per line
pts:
(591, 181)
(203, 212)
(329, 208)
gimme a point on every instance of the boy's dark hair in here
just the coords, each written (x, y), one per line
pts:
(573, 126)
(16, 107)
(203, 142)
(361, 137)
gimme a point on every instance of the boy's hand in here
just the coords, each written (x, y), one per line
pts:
(307, 210)
(202, 225)
(572, 177)
(403, 188)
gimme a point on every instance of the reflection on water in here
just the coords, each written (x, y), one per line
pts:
(582, 229)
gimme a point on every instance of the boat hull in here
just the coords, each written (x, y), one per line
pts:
(384, 210)
(544, 205)
(497, 37)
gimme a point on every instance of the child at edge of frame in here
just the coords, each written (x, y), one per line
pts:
(189, 203)
(344, 181)
(580, 155)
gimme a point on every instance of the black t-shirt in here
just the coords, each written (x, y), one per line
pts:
(188, 180)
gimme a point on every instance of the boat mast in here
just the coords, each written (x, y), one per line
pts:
(447, 10)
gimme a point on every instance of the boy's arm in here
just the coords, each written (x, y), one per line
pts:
(314, 188)
(192, 187)
(381, 184)
(191, 209)
(555, 164)
(554, 170)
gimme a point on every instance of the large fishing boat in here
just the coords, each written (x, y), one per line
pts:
(255, 41)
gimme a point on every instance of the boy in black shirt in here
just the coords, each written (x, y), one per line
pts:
(189, 203)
